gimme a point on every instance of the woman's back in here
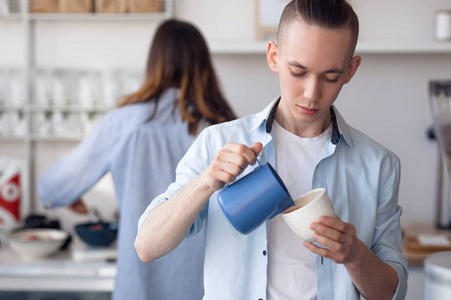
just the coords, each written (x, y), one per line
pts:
(142, 156)
(147, 163)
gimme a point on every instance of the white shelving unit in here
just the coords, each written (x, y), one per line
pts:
(401, 46)
(94, 16)
(29, 21)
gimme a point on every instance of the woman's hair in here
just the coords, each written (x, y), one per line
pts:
(179, 58)
(328, 14)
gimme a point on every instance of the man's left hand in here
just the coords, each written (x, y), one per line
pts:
(339, 237)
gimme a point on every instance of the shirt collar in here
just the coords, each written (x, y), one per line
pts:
(266, 116)
(339, 127)
(169, 97)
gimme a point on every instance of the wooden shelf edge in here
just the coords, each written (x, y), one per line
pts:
(69, 17)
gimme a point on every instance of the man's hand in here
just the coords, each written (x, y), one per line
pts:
(372, 277)
(229, 163)
(339, 237)
(79, 207)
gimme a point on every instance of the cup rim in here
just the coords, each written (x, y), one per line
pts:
(293, 208)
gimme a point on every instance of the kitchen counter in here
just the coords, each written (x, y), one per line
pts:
(63, 271)
(413, 250)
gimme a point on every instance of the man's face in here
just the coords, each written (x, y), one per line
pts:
(313, 64)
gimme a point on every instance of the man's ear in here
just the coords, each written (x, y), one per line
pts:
(353, 66)
(272, 56)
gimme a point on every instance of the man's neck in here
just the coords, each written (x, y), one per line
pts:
(303, 129)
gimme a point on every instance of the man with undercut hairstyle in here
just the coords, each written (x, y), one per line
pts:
(304, 136)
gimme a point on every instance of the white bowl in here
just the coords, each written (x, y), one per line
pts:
(37, 243)
(307, 209)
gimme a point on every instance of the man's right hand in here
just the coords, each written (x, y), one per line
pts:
(229, 163)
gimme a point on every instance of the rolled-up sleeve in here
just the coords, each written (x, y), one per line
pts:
(74, 174)
(387, 240)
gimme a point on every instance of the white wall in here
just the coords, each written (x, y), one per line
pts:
(387, 99)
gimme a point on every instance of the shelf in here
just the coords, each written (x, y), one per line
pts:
(403, 46)
(37, 138)
(8, 139)
(237, 46)
(11, 17)
(77, 109)
(64, 109)
(98, 17)
(11, 108)
(56, 138)
(60, 17)
(419, 46)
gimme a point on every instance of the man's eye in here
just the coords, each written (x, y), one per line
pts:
(297, 74)
(330, 80)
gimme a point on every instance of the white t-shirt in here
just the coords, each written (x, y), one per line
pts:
(291, 266)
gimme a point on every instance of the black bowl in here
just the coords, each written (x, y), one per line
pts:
(101, 234)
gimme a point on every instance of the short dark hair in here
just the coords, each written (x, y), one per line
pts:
(328, 14)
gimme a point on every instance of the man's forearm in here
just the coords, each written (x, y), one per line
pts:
(167, 224)
(373, 278)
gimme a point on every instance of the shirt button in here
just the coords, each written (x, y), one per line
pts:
(264, 252)
(260, 299)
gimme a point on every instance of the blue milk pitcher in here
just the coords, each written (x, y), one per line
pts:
(255, 198)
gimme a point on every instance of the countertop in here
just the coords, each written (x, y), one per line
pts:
(68, 270)
(414, 252)
(62, 271)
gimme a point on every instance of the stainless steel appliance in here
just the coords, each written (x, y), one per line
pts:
(437, 269)
(440, 102)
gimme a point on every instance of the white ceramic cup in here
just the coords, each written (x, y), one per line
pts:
(85, 123)
(59, 123)
(111, 88)
(307, 209)
(5, 124)
(60, 92)
(19, 123)
(43, 123)
(86, 96)
(16, 90)
(73, 125)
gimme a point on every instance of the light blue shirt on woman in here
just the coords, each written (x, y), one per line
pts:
(142, 156)
(360, 176)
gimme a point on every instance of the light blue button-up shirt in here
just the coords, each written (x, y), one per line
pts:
(361, 177)
(142, 156)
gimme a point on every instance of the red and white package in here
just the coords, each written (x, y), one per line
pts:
(11, 191)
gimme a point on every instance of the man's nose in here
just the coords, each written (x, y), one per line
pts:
(312, 90)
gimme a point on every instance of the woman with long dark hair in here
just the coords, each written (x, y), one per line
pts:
(140, 143)
(179, 58)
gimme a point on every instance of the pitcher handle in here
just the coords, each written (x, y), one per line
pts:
(258, 162)
(258, 167)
